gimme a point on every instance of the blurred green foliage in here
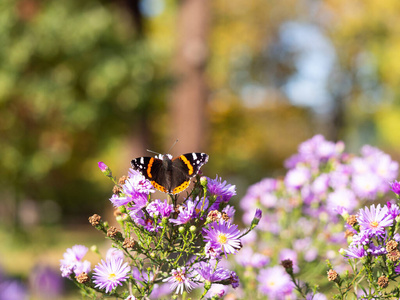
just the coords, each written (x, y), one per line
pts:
(73, 79)
(79, 84)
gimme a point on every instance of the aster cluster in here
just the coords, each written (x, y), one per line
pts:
(373, 253)
(302, 211)
(174, 245)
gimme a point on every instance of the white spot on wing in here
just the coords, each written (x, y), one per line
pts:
(194, 156)
(142, 160)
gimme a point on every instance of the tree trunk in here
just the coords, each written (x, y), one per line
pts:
(188, 107)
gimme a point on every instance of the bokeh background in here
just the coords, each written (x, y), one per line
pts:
(244, 81)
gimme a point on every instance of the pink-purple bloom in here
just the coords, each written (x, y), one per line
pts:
(356, 251)
(73, 263)
(110, 273)
(186, 213)
(374, 220)
(180, 280)
(395, 187)
(159, 208)
(223, 190)
(275, 283)
(208, 272)
(224, 235)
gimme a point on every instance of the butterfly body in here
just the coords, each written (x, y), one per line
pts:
(169, 175)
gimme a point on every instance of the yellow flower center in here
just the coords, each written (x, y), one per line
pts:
(111, 276)
(374, 224)
(222, 238)
(178, 278)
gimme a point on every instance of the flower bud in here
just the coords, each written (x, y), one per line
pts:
(192, 228)
(395, 187)
(181, 229)
(203, 181)
(256, 219)
(94, 249)
(104, 168)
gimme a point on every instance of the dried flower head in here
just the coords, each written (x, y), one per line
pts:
(95, 220)
(352, 220)
(128, 243)
(391, 246)
(394, 255)
(116, 190)
(112, 231)
(82, 278)
(214, 215)
(348, 233)
(383, 281)
(332, 275)
(287, 263)
(122, 179)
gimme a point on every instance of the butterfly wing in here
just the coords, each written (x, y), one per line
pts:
(153, 170)
(184, 167)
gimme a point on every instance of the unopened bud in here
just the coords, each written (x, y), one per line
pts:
(104, 168)
(203, 181)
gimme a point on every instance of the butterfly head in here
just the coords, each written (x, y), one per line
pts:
(165, 157)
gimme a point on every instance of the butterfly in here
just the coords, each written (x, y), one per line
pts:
(167, 174)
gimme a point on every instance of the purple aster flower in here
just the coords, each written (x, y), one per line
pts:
(365, 185)
(393, 209)
(72, 261)
(186, 213)
(218, 290)
(13, 290)
(141, 276)
(320, 185)
(341, 199)
(297, 177)
(234, 279)
(395, 187)
(246, 257)
(376, 250)
(374, 220)
(317, 296)
(224, 235)
(140, 218)
(230, 211)
(114, 253)
(118, 201)
(361, 238)
(222, 190)
(275, 282)
(209, 273)
(380, 163)
(212, 250)
(160, 209)
(137, 184)
(110, 273)
(356, 251)
(397, 269)
(138, 203)
(180, 280)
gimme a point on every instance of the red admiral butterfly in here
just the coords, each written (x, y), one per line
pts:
(169, 175)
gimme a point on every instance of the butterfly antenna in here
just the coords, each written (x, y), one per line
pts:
(153, 152)
(172, 145)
